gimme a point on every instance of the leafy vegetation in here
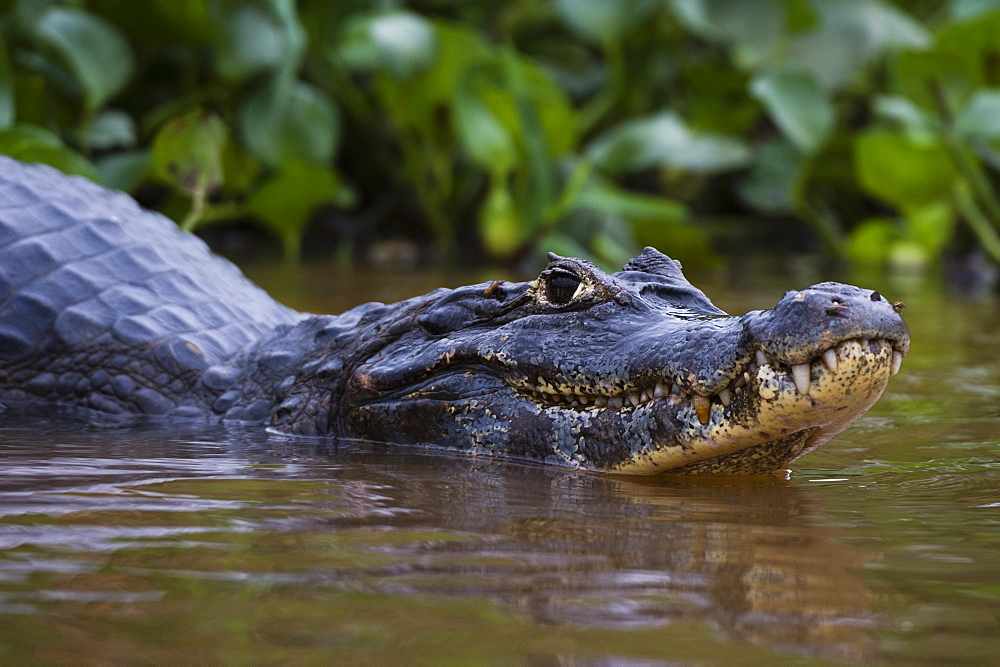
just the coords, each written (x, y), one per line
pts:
(500, 129)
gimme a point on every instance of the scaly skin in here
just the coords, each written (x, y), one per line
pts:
(109, 312)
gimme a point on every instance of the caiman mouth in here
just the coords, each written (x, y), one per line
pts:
(551, 395)
(788, 409)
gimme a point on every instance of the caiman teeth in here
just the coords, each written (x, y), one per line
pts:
(726, 397)
(830, 359)
(800, 374)
(703, 406)
(630, 398)
(897, 359)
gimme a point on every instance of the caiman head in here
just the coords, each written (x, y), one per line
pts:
(635, 372)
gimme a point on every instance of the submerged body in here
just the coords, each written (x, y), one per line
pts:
(108, 311)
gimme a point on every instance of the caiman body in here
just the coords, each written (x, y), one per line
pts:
(108, 311)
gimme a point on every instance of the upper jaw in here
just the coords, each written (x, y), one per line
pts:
(708, 363)
(810, 321)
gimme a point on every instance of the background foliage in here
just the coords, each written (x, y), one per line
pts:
(496, 129)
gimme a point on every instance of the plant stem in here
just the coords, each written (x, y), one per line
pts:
(968, 166)
(193, 217)
(599, 105)
(977, 221)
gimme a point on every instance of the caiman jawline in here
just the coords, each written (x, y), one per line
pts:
(633, 396)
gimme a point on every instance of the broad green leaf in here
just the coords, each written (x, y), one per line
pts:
(870, 240)
(8, 112)
(981, 116)
(111, 129)
(716, 100)
(289, 122)
(250, 40)
(609, 249)
(498, 88)
(401, 42)
(964, 10)
(94, 49)
(187, 153)
(602, 20)
(906, 256)
(609, 198)
(798, 105)
(754, 29)
(900, 172)
(664, 140)
(500, 223)
(849, 34)
(21, 135)
(286, 202)
(771, 183)
(483, 136)
(30, 143)
(458, 49)
(931, 226)
(920, 125)
(123, 171)
(960, 63)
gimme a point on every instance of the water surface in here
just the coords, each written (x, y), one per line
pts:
(185, 543)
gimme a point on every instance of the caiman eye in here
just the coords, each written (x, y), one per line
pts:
(560, 288)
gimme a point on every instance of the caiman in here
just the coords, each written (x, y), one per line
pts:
(109, 311)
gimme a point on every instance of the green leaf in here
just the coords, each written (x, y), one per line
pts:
(849, 34)
(754, 29)
(920, 125)
(907, 256)
(964, 10)
(981, 116)
(483, 136)
(123, 171)
(771, 183)
(250, 40)
(283, 122)
(798, 105)
(30, 143)
(187, 153)
(500, 223)
(664, 140)
(8, 111)
(286, 202)
(111, 129)
(869, 241)
(932, 226)
(400, 42)
(602, 20)
(95, 50)
(611, 199)
(902, 173)
(458, 49)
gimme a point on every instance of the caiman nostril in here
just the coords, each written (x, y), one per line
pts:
(837, 310)
(875, 296)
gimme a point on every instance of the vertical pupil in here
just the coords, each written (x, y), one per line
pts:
(560, 289)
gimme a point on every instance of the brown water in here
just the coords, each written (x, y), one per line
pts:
(222, 545)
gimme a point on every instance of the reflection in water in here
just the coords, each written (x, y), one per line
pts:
(113, 521)
(177, 545)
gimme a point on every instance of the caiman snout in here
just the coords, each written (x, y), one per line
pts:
(819, 317)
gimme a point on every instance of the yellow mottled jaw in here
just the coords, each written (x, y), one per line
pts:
(777, 414)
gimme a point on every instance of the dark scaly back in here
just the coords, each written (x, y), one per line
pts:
(91, 282)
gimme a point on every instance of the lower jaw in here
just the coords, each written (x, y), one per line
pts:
(763, 459)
